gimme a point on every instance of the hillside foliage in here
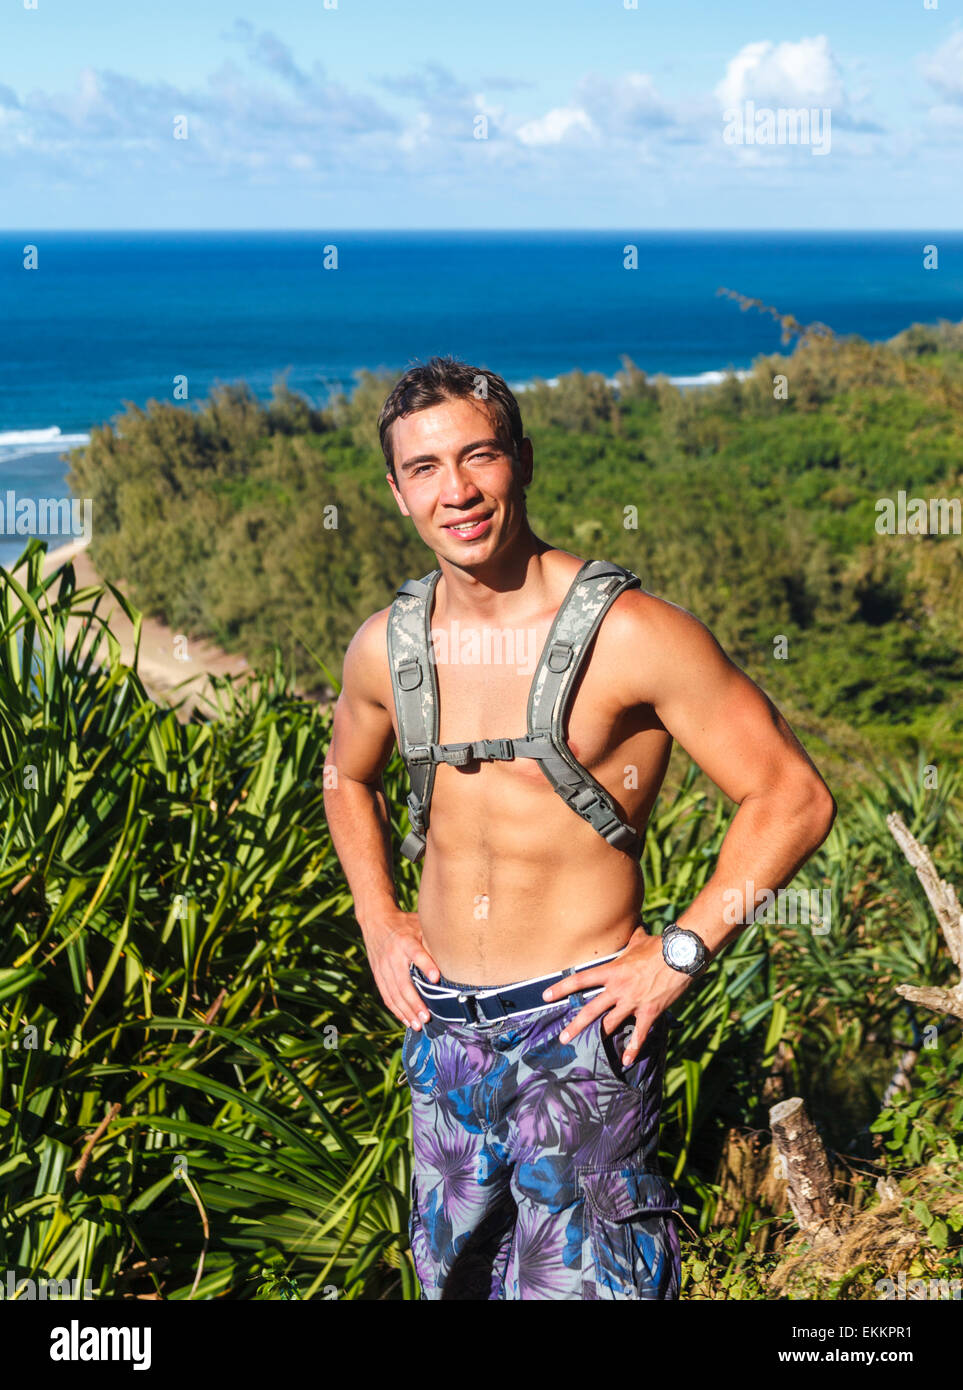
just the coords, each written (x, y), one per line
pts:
(271, 522)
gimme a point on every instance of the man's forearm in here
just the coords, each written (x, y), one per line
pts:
(357, 815)
(768, 841)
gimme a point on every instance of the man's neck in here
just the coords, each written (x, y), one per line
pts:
(512, 583)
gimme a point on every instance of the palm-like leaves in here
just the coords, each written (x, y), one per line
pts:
(198, 1081)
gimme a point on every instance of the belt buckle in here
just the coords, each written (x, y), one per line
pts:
(471, 1010)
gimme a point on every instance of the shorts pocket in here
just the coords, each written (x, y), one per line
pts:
(630, 1247)
(418, 1061)
(610, 1046)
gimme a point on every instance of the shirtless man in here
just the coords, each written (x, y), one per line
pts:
(536, 1128)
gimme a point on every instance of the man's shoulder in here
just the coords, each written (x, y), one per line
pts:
(639, 607)
(367, 657)
(638, 615)
(646, 637)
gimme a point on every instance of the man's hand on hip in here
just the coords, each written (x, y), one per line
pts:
(393, 946)
(638, 982)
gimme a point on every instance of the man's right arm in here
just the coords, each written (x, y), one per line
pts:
(357, 813)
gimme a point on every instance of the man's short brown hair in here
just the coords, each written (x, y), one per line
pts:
(445, 378)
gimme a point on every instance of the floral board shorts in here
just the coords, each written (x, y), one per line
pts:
(536, 1171)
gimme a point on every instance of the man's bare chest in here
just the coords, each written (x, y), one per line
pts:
(484, 679)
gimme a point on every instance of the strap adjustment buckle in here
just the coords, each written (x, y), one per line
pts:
(457, 754)
(611, 828)
(460, 754)
(560, 656)
(410, 674)
(420, 753)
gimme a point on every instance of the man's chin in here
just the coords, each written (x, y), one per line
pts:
(466, 553)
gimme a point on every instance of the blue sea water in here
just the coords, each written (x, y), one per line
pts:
(109, 318)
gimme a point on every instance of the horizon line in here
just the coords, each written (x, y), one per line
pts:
(447, 231)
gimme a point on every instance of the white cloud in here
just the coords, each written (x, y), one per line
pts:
(624, 105)
(555, 126)
(614, 108)
(264, 119)
(784, 74)
(292, 120)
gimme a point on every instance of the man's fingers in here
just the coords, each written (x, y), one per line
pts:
(416, 1010)
(590, 1011)
(393, 1003)
(395, 998)
(419, 1009)
(636, 1038)
(582, 979)
(426, 965)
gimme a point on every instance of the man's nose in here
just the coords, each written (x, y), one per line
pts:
(457, 485)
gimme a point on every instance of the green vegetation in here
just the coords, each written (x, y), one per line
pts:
(201, 1095)
(199, 1090)
(273, 523)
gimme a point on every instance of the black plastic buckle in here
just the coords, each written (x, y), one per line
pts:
(571, 795)
(500, 749)
(625, 837)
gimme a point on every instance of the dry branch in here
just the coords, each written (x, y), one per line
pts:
(944, 902)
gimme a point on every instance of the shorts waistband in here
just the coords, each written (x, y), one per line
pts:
(506, 1001)
(516, 984)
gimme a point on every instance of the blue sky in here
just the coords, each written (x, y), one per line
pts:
(365, 114)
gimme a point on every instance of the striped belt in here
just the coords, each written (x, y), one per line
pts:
(473, 1006)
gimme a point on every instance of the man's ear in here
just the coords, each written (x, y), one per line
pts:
(526, 461)
(397, 495)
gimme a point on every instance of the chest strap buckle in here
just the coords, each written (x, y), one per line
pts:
(459, 754)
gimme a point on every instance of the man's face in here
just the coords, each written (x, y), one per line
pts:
(452, 468)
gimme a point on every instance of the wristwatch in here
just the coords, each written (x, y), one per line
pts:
(683, 950)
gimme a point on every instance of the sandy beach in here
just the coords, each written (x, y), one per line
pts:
(166, 659)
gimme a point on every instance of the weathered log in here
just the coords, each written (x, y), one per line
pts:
(801, 1159)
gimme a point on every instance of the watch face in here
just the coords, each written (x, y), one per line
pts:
(681, 950)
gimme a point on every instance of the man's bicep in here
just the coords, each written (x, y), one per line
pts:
(362, 735)
(717, 714)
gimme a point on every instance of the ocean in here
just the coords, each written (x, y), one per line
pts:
(108, 318)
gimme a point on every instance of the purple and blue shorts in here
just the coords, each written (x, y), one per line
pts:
(536, 1171)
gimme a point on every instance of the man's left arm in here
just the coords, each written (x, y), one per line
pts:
(739, 739)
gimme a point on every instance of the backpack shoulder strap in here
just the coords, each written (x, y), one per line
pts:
(414, 686)
(594, 589)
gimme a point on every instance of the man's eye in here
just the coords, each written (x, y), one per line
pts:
(482, 456)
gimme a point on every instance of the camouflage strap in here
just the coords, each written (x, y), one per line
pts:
(594, 589)
(414, 684)
(415, 689)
